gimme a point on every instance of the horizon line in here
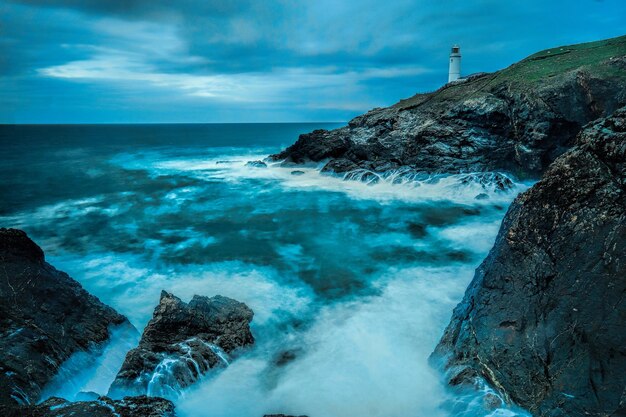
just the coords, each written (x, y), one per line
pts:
(160, 123)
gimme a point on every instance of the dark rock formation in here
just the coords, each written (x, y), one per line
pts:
(256, 164)
(45, 317)
(182, 342)
(544, 319)
(518, 119)
(102, 407)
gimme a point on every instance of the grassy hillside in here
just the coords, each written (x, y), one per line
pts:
(543, 67)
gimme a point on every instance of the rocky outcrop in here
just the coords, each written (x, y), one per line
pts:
(517, 120)
(181, 343)
(544, 319)
(102, 407)
(45, 317)
(256, 164)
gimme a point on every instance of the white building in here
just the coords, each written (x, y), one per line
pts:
(454, 72)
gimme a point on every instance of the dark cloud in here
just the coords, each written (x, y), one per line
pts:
(147, 8)
(273, 59)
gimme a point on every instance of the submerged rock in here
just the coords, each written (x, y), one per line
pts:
(102, 407)
(489, 181)
(256, 164)
(297, 172)
(281, 415)
(515, 120)
(182, 342)
(544, 319)
(45, 317)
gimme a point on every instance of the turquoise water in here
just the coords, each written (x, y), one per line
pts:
(355, 281)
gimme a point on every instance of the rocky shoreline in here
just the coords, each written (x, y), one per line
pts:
(46, 317)
(543, 321)
(517, 120)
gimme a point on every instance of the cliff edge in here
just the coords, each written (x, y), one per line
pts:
(519, 119)
(544, 319)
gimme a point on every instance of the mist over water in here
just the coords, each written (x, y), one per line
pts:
(351, 283)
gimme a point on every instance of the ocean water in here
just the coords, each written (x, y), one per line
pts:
(351, 283)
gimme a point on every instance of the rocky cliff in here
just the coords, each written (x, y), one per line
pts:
(544, 319)
(182, 342)
(518, 119)
(45, 316)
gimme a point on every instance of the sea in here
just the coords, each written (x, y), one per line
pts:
(352, 281)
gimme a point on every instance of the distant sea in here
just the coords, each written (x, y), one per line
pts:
(355, 281)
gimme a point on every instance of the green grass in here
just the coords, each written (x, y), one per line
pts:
(538, 69)
(552, 62)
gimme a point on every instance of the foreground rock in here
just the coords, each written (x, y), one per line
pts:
(182, 342)
(517, 120)
(102, 407)
(544, 319)
(45, 317)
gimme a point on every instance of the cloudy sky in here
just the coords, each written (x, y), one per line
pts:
(126, 61)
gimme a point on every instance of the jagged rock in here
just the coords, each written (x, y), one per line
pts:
(182, 342)
(518, 119)
(489, 180)
(544, 319)
(256, 164)
(45, 317)
(102, 407)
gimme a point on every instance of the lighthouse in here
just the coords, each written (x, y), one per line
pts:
(454, 72)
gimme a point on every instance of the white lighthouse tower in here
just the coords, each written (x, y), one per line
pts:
(455, 64)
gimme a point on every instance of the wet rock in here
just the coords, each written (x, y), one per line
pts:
(482, 196)
(87, 396)
(102, 407)
(489, 181)
(491, 401)
(543, 320)
(340, 165)
(515, 120)
(256, 164)
(297, 172)
(45, 317)
(181, 343)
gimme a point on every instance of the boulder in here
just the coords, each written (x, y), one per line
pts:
(45, 317)
(544, 319)
(181, 343)
(256, 164)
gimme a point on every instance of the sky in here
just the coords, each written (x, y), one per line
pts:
(210, 61)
